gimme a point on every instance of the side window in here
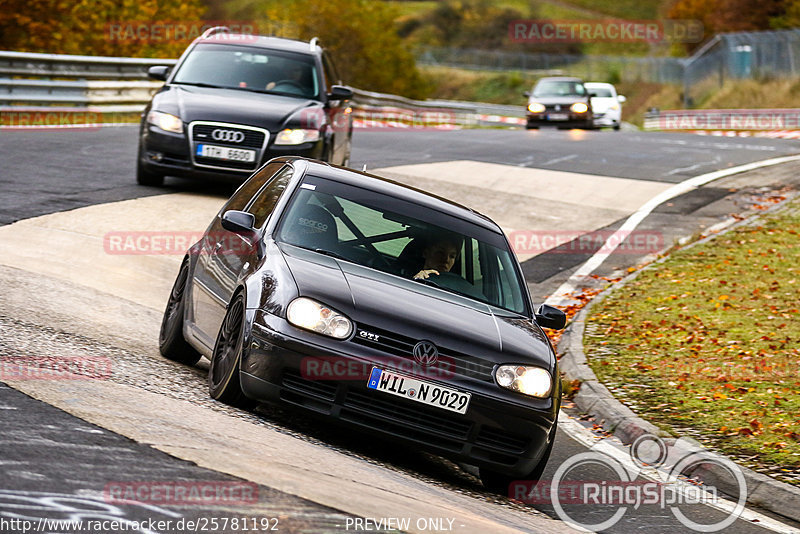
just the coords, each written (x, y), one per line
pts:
(331, 76)
(261, 206)
(247, 190)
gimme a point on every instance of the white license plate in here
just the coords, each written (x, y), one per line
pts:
(558, 116)
(226, 153)
(418, 390)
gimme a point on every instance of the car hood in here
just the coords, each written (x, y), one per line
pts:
(272, 112)
(414, 310)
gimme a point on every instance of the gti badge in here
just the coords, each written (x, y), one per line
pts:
(368, 335)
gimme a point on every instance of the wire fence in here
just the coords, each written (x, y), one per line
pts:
(726, 57)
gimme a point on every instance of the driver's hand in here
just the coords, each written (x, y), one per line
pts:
(425, 273)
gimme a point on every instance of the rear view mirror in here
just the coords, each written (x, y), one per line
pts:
(238, 222)
(158, 72)
(340, 92)
(551, 317)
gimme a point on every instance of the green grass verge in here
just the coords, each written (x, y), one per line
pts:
(706, 343)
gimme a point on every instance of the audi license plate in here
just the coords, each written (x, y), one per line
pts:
(418, 390)
(226, 153)
(558, 117)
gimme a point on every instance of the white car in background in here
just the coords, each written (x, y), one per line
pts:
(606, 104)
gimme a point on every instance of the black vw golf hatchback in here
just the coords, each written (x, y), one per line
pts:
(233, 102)
(383, 307)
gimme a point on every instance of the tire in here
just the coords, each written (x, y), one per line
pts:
(145, 177)
(616, 127)
(499, 483)
(223, 373)
(171, 342)
(531, 127)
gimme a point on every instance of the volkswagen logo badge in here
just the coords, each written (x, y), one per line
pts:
(558, 108)
(229, 136)
(426, 353)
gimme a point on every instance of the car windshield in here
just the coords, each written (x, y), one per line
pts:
(382, 232)
(602, 92)
(251, 69)
(559, 88)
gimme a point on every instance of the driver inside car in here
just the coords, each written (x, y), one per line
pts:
(439, 255)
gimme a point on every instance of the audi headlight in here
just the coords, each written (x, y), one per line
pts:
(535, 107)
(579, 107)
(296, 136)
(533, 381)
(312, 315)
(165, 121)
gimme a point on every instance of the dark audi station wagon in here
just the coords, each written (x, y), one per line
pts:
(380, 306)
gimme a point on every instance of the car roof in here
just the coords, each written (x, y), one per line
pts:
(391, 188)
(560, 79)
(599, 84)
(262, 41)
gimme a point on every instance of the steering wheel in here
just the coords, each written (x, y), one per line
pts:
(291, 83)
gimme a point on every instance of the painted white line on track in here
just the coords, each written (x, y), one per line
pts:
(561, 296)
(605, 446)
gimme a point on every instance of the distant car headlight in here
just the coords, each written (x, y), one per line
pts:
(533, 381)
(296, 136)
(165, 121)
(579, 107)
(311, 315)
(535, 107)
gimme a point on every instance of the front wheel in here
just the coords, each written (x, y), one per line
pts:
(171, 342)
(500, 483)
(223, 373)
(145, 177)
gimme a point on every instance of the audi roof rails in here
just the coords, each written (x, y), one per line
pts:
(313, 43)
(215, 30)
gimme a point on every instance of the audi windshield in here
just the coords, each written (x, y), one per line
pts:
(250, 68)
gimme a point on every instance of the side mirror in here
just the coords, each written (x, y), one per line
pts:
(238, 222)
(527, 93)
(158, 72)
(592, 95)
(551, 317)
(621, 98)
(340, 92)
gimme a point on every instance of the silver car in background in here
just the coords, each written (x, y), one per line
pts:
(606, 104)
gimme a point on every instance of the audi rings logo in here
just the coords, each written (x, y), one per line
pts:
(229, 136)
(426, 353)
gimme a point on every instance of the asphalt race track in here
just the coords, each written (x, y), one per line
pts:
(66, 292)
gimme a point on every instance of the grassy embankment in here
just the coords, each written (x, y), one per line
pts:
(706, 343)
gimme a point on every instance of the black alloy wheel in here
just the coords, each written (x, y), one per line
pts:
(223, 373)
(171, 342)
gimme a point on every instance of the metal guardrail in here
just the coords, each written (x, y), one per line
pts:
(116, 84)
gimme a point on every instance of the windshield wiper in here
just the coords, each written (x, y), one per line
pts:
(330, 253)
(201, 84)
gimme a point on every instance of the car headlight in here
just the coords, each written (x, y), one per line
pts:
(533, 381)
(535, 107)
(312, 315)
(579, 107)
(296, 136)
(165, 121)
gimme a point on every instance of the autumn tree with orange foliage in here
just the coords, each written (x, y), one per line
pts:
(720, 16)
(85, 26)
